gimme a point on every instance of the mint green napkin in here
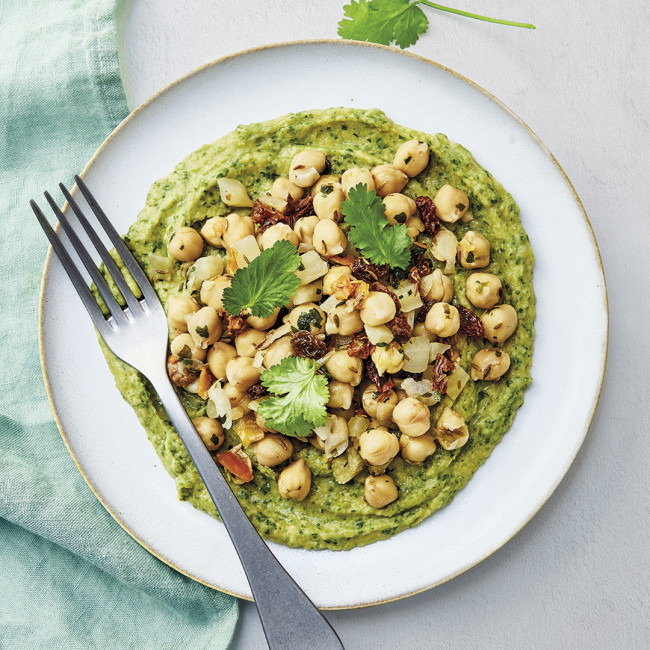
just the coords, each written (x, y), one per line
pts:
(70, 577)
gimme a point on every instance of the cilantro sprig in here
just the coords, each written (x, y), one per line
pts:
(299, 395)
(398, 21)
(266, 283)
(371, 233)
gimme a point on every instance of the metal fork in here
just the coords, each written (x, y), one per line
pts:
(137, 333)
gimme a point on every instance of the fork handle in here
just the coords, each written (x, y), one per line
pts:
(289, 619)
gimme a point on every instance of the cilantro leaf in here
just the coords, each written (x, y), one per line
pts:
(399, 21)
(371, 233)
(267, 282)
(299, 397)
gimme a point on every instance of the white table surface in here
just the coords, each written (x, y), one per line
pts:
(577, 576)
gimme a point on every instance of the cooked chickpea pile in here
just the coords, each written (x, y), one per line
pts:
(391, 343)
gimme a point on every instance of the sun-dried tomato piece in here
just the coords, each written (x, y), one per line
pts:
(442, 368)
(297, 209)
(428, 214)
(424, 310)
(378, 286)
(400, 328)
(264, 216)
(367, 271)
(360, 346)
(179, 373)
(307, 345)
(384, 384)
(423, 265)
(256, 391)
(235, 325)
(470, 323)
(237, 462)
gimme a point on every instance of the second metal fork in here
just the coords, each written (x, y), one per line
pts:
(137, 333)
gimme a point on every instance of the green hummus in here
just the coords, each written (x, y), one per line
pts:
(335, 516)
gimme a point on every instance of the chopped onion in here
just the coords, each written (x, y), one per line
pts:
(416, 354)
(160, 268)
(409, 295)
(234, 193)
(219, 404)
(245, 251)
(205, 268)
(273, 202)
(421, 390)
(379, 334)
(456, 382)
(437, 348)
(313, 267)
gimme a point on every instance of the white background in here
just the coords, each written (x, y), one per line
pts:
(578, 574)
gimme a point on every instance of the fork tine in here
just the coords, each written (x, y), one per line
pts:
(96, 276)
(130, 262)
(111, 267)
(70, 268)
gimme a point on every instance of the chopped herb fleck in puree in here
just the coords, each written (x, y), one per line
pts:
(336, 516)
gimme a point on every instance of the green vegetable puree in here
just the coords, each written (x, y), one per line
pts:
(336, 516)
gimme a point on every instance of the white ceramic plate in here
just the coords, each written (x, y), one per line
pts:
(107, 442)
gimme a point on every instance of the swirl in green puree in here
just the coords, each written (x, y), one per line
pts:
(335, 516)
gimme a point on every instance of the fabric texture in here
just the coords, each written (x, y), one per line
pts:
(70, 575)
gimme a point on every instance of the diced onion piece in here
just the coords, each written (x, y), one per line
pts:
(437, 348)
(274, 335)
(335, 442)
(258, 359)
(467, 217)
(234, 193)
(444, 247)
(410, 318)
(409, 295)
(456, 382)
(245, 251)
(422, 390)
(219, 405)
(193, 387)
(345, 468)
(416, 354)
(379, 334)
(313, 267)
(357, 425)
(273, 202)
(329, 305)
(205, 268)
(160, 268)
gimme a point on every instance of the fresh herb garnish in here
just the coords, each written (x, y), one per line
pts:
(309, 318)
(299, 396)
(202, 331)
(267, 282)
(398, 21)
(371, 233)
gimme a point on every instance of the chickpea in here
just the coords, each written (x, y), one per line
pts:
(235, 396)
(352, 177)
(398, 208)
(295, 480)
(336, 278)
(451, 430)
(473, 251)
(308, 316)
(442, 320)
(388, 179)
(437, 287)
(246, 343)
(489, 364)
(184, 346)
(414, 226)
(483, 290)
(306, 166)
(379, 408)
(272, 449)
(327, 204)
(261, 322)
(311, 292)
(345, 322)
(278, 350)
(499, 323)
(412, 417)
(235, 228)
(415, 450)
(328, 238)
(304, 228)
(212, 291)
(345, 368)
(378, 446)
(204, 326)
(212, 230)
(218, 357)
(378, 308)
(388, 359)
(340, 395)
(326, 179)
(379, 491)
(186, 244)
(451, 203)
(412, 157)
(276, 233)
(241, 373)
(177, 308)
(283, 187)
(211, 432)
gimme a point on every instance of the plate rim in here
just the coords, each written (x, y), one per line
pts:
(547, 153)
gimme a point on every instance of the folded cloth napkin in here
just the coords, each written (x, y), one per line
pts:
(70, 577)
